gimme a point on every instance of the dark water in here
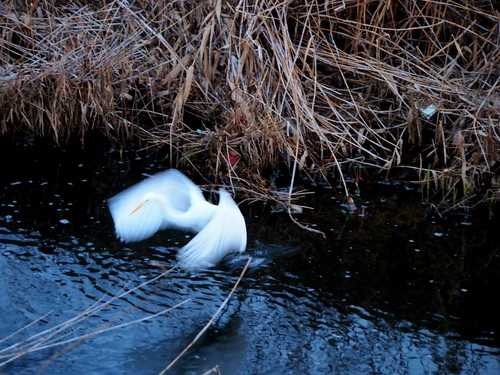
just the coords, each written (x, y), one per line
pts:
(393, 289)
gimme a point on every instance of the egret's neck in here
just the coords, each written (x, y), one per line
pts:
(196, 216)
(170, 212)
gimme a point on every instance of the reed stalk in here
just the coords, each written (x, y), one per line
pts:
(313, 87)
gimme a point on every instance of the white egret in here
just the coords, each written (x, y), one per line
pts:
(171, 200)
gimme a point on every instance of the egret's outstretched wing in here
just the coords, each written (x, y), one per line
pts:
(140, 225)
(224, 234)
(143, 223)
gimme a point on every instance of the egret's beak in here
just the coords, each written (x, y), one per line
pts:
(138, 207)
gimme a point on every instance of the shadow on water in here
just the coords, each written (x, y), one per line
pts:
(391, 289)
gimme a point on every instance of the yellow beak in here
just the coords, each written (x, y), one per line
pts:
(138, 207)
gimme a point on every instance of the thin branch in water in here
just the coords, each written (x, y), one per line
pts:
(209, 323)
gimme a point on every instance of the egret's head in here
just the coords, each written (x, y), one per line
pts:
(138, 207)
(148, 197)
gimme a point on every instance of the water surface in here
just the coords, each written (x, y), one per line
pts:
(394, 288)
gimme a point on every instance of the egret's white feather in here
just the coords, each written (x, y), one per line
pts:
(141, 225)
(171, 200)
(174, 186)
(225, 233)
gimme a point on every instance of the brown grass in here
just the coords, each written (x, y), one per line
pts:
(316, 87)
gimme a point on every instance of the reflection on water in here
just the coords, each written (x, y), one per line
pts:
(391, 289)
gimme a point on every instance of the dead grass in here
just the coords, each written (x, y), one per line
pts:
(312, 87)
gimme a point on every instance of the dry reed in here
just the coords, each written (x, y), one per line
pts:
(314, 87)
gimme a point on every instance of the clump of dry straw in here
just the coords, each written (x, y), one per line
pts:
(316, 86)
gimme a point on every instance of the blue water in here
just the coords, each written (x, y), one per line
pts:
(392, 288)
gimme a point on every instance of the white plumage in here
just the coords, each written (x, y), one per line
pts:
(171, 200)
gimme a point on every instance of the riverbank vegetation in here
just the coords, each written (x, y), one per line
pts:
(243, 89)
